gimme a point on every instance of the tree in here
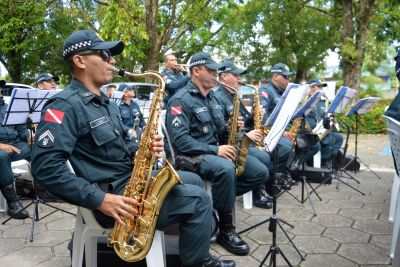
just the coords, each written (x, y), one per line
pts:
(150, 28)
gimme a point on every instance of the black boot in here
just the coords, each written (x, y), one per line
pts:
(228, 238)
(212, 261)
(262, 199)
(15, 209)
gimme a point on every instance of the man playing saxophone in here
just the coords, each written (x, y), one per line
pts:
(198, 132)
(230, 75)
(81, 125)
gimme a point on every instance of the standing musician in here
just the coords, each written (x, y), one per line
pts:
(198, 131)
(175, 76)
(230, 75)
(330, 145)
(81, 125)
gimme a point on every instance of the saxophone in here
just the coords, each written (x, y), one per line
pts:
(133, 240)
(242, 146)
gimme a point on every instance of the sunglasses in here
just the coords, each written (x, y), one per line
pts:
(284, 76)
(104, 54)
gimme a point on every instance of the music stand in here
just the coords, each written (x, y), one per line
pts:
(279, 120)
(339, 103)
(25, 108)
(360, 108)
(117, 97)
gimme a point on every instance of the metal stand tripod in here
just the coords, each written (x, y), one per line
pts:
(273, 222)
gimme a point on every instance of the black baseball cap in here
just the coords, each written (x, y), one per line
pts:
(281, 69)
(45, 77)
(89, 40)
(317, 83)
(204, 59)
(229, 66)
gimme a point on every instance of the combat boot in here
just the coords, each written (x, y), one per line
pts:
(212, 261)
(261, 198)
(15, 209)
(228, 238)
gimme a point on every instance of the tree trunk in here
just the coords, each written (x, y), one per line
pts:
(14, 67)
(354, 37)
(153, 51)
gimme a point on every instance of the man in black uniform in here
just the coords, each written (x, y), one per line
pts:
(175, 76)
(81, 125)
(230, 75)
(198, 132)
(13, 146)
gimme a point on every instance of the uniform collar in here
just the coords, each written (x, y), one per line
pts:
(191, 87)
(88, 95)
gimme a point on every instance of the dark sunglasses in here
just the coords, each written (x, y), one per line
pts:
(284, 76)
(104, 54)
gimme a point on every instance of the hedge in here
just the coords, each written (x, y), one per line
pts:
(371, 122)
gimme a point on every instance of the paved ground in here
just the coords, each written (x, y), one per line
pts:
(349, 229)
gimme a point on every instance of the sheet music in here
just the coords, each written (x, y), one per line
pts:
(24, 103)
(342, 100)
(284, 110)
(307, 107)
(363, 105)
(117, 97)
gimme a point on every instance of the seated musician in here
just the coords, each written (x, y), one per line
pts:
(199, 134)
(46, 81)
(81, 125)
(13, 146)
(331, 143)
(230, 75)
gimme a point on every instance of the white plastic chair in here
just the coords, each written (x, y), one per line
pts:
(394, 212)
(14, 164)
(87, 230)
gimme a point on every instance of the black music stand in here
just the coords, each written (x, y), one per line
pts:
(279, 120)
(25, 108)
(360, 108)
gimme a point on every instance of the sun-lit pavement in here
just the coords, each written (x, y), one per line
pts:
(349, 229)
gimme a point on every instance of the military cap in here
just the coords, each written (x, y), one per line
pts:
(45, 77)
(281, 69)
(229, 66)
(205, 59)
(124, 87)
(317, 83)
(89, 40)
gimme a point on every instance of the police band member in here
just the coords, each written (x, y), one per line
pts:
(13, 146)
(81, 125)
(46, 81)
(198, 131)
(230, 75)
(175, 76)
(330, 145)
(269, 96)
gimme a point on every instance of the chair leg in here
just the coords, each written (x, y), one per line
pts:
(78, 243)
(91, 251)
(393, 198)
(156, 255)
(395, 247)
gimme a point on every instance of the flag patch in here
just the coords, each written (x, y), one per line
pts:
(54, 115)
(177, 110)
(265, 94)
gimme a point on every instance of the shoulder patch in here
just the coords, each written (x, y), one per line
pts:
(176, 110)
(46, 139)
(176, 122)
(264, 94)
(54, 115)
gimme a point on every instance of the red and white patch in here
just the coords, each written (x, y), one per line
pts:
(177, 110)
(54, 115)
(264, 94)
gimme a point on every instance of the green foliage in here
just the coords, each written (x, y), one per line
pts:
(371, 122)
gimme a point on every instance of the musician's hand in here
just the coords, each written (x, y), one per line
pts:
(119, 207)
(158, 145)
(132, 133)
(290, 136)
(240, 123)
(227, 152)
(9, 148)
(255, 135)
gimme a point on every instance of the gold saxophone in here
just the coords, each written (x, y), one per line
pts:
(133, 240)
(296, 124)
(242, 146)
